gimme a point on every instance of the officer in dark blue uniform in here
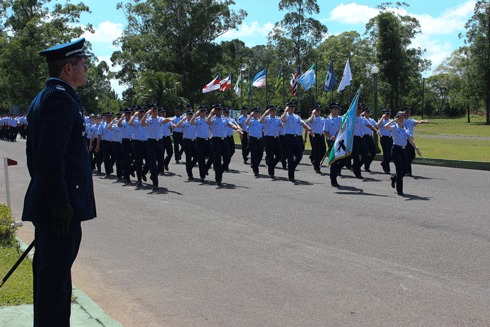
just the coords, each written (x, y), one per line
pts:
(60, 194)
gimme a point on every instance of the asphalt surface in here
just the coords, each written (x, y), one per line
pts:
(258, 252)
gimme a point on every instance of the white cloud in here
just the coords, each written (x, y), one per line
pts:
(105, 34)
(246, 30)
(353, 13)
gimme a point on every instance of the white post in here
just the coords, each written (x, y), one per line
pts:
(7, 186)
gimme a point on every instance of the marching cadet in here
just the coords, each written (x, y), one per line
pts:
(332, 124)
(105, 137)
(203, 144)
(126, 145)
(385, 140)
(117, 146)
(177, 134)
(229, 134)
(221, 151)
(98, 158)
(272, 143)
(317, 140)
(89, 130)
(368, 139)
(359, 153)
(152, 122)
(189, 143)
(293, 141)
(256, 145)
(401, 137)
(244, 136)
(410, 124)
(282, 140)
(166, 131)
(140, 146)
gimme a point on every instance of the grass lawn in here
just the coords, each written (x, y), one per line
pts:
(18, 288)
(446, 138)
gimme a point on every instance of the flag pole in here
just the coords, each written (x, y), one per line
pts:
(266, 100)
(316, 85)
(283, 95)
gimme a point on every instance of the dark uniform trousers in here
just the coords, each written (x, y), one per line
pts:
(91, 154)
(399, 156)
(368, 141)
(154, 154)
(140, 152)
(231, 145)
(118, 157)
(294, 152)
(178, 145)
(190, 156)
(108, 155)
(358, 155)
(256, 152)
(318, 150)
(53, 259)
(386, 145)
(410, 156)
(126, 157)
(203, 151)
(282, 141)
(273, 153)
(245, 149)
(168, 150)
(221, 156)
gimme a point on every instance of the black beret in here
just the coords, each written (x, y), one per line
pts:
(334, 105)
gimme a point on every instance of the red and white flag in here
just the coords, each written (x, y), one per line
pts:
(225, 84)
(212, 86)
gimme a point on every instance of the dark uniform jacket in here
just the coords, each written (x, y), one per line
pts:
(57, 155)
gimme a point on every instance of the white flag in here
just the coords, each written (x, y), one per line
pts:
(237, 88)
(346, 78)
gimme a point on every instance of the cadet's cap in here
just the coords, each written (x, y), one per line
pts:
(128, 111)
(189, 112)
(334, 105)
(202, 108)
(226, 109)
(291, 104)
(400, 113)
(141, 109)
(256, 109)
(386, 111)
(118, 115)
(92, 115)
(162, 110)
(244, 108)
(367, 110)
(188, 105)
(97, 117)
(64, 51)
(272, 107)
(178, 108)
(217, 106)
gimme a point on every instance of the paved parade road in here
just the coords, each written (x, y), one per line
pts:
(258, 252)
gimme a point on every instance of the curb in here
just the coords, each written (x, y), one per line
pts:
(462, 164)
(86, 304)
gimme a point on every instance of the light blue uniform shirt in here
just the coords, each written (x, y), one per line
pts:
(126, 129)
(291, 124)
(175, 121)
(400, 135)
(299, 127)
(117, 131)
(366, 129)
(332, 125)
(383, 130)
(154, 127)
(218, 125)
(410, 124)
(272, 126)
(166, 129)
(229, 130)
(189, 130)
(202, 128)
(139, 132)
(255, 128)
(105, 133)
(359, 126)
(318, 124)
(241, 121)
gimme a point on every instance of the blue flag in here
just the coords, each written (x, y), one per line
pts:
(260, 79)
(330, 81)
(342, 146)
(308, 79)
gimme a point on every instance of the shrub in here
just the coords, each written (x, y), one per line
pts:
(7, 233)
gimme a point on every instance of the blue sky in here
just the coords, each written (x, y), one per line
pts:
(441, 22)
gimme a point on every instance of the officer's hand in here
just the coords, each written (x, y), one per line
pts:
(61, 218)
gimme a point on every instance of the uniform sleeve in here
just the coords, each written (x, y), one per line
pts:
(56, 129)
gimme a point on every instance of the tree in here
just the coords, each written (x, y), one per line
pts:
(478, 44)
(176, 37)
(29, 26)
(400, 65)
